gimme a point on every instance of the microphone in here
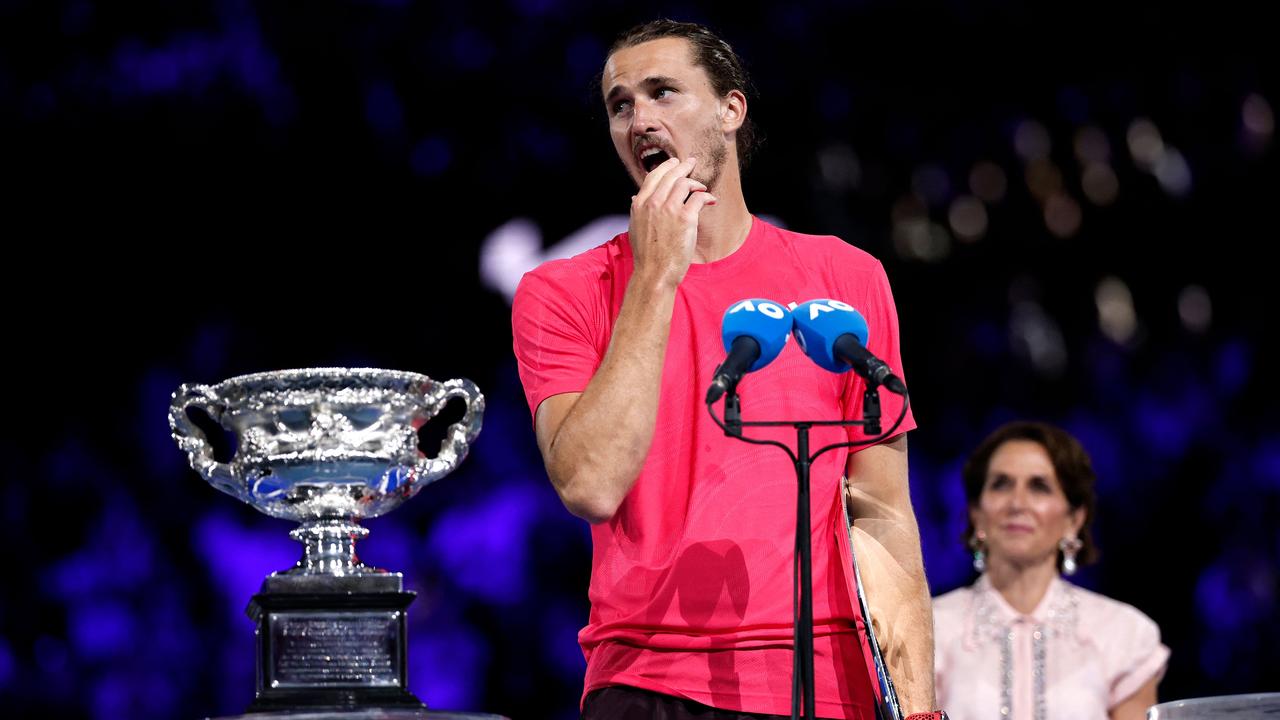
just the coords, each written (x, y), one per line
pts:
(834, 336)
(754, 332)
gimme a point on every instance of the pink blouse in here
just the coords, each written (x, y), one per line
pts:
(1076, 656)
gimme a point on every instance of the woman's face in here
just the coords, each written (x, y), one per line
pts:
(1022, 510)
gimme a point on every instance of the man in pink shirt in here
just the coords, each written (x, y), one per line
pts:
(692, 532)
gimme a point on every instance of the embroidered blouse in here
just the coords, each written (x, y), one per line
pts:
(1074, 657)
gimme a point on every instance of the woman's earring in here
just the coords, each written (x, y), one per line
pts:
(1069, 547)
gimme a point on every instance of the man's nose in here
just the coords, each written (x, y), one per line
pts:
(644, 118)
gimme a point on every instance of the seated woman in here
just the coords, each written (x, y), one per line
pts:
(1021, 642)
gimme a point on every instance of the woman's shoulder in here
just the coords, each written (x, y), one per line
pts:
(1099, 608)
(1112, 623)
(955, 603)
(952, 620)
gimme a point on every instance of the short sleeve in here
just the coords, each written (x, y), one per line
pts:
(878, 307)
(1135, 654)
(554, 336)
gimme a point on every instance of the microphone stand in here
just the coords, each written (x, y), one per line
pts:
(802, 682)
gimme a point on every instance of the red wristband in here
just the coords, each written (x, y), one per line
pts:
(935, 715)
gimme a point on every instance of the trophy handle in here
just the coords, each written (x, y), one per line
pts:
(457, 441)
(192, 439)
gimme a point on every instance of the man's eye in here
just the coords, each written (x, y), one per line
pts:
(620, 107)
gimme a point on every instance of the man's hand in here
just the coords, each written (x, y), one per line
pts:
(664, 222)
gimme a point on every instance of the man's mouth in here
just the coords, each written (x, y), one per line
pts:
(651, 157)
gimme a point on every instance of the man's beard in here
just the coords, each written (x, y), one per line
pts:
(711, 157)
(711, 153)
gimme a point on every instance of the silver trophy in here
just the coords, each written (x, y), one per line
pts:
(327, 447)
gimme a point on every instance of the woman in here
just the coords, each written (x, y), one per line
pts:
(1022, 643)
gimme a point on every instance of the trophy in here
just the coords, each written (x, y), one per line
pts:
(327, 447)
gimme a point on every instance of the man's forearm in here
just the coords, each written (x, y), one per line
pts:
(600, 447)
(886, 543)
(901, 612)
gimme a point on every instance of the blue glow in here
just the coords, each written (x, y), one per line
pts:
(446, 666)
(41, 102)
(100, 630)
(835, 102)
(559, 628)
(533, 8)
(583, 55)
(156, 387)
(987, 339)
(1233, 366)
(1266, 463)
(119, 555)
(1164, 427)
(389, 545)
(77, 18)
(382, 109)
(51, 655)
(112, 696)
(938, 495)
(431, 157)
(482, 546)
(67, 466)
(75, 575)
(1230, 596)
(1216, 655)
(147, 72)
(471, 50)
(1074, 105)
(207, 352)
(1100, 441)
(161, 696)
(239, 557)
(6, 663)
(546, 145)
(192, 61)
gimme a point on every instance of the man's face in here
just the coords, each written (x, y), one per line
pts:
(662, 105)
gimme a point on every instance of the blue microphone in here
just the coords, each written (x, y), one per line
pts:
(834, 336)
(754, 332)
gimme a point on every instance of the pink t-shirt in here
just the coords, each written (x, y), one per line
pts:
(691, 582)
(1074, 657)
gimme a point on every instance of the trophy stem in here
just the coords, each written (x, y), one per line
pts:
(329, 548)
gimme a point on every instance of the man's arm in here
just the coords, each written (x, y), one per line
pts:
(594, 443)
(886, 542)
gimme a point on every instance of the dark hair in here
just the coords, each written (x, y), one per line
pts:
(1070, 463)
(714, 55)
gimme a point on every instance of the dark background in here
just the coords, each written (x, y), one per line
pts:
(202, 189)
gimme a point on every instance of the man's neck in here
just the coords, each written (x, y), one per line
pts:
(723, 227)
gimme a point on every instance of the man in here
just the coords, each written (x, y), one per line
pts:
(692, 532)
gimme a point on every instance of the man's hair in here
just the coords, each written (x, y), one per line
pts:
(714, 55)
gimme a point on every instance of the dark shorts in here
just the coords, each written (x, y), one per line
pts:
(620, 702)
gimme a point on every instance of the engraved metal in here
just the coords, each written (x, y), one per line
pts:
(325, 447)
(334, 649)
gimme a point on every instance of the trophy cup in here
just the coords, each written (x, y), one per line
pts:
(327, 447)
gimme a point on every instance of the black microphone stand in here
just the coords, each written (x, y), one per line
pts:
(802, 683)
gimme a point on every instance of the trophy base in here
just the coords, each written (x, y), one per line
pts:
(331, 644)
